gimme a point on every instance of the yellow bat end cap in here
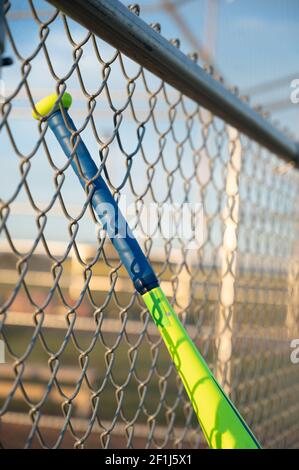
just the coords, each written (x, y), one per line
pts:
(48, 104)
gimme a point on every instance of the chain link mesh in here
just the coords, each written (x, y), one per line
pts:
(85, 366)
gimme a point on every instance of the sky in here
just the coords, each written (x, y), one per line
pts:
(254, 42)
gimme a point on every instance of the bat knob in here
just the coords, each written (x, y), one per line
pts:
(49, 103)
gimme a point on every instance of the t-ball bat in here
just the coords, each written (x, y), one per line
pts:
(220, 421)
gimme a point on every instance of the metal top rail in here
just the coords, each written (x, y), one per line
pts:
(116, 24)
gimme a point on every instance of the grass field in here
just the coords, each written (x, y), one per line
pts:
(119, 374)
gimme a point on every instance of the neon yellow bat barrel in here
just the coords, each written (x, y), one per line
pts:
(220, 421)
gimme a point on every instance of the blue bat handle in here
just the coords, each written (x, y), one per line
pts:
(105, 207)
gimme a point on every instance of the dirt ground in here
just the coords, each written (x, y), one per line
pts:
(14, 436)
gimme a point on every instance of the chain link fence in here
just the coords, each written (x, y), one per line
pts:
(85, 366)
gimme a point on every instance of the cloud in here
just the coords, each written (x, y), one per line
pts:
(253, 24)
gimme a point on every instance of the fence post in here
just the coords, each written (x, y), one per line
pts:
(292, 314)
(293, 291)
(228, 253)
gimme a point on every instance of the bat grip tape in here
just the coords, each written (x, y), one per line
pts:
(104, 205)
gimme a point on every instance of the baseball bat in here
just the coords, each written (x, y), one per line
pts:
(220, 421)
